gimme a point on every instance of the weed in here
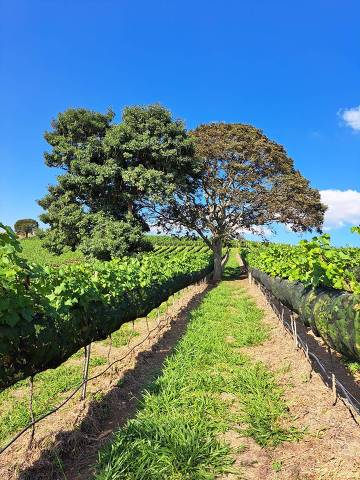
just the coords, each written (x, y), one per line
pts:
(277, 465)
(121, 337)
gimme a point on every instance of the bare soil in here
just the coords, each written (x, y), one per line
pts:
(330, 447)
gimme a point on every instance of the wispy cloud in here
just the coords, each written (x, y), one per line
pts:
(351, 117)
(343, 208)
(316, 134)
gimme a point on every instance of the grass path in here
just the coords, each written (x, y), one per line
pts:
(208, 387)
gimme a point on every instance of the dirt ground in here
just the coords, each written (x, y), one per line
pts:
(330, 447)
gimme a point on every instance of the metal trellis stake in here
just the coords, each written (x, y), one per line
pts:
(333, 379)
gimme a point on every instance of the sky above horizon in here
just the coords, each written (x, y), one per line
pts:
(289, 68)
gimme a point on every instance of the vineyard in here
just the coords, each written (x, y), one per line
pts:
(51, 309)
(180, 241)
(315, 263)
(49, 313)
(320, 283)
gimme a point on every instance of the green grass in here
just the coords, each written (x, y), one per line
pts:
(49, 388)
(176, 434)
(121, 337)
(354, 367)
(34, 252)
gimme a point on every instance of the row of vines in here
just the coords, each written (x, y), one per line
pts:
(319, 282)
(314, 263)
(48, 313)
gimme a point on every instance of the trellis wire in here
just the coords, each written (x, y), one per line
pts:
(350, 401)
(80, 386)
(159, 327)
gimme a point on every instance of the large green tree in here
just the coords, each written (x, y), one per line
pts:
(247, 181)
(111, 172)
(26, 226)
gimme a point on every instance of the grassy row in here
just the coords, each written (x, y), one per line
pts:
(177, 432)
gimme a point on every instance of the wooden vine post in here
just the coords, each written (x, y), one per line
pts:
(87, 351)
(110, 347)
(333, 378)
(31, 410)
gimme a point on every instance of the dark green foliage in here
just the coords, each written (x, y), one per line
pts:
(111, 238)
(111, 173)
(26, 227)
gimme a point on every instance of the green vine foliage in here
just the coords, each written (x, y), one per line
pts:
(48, 313)
(319, 282)
(314, 262)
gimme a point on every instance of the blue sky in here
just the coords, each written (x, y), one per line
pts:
(289, 68)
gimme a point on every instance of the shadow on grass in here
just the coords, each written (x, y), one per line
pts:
(234, 273)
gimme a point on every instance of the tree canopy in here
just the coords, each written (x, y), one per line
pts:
(247, 181)
(26, 226)
(217, 181)
(111, 172)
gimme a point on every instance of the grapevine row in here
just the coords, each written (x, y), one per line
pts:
(319, 282)
(47, 313)
(314, 263)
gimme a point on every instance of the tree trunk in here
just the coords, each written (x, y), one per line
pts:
(217, 250)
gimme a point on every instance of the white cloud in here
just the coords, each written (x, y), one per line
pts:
(288, 227)
(156, 230)
(343, 208)
(351, 117)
